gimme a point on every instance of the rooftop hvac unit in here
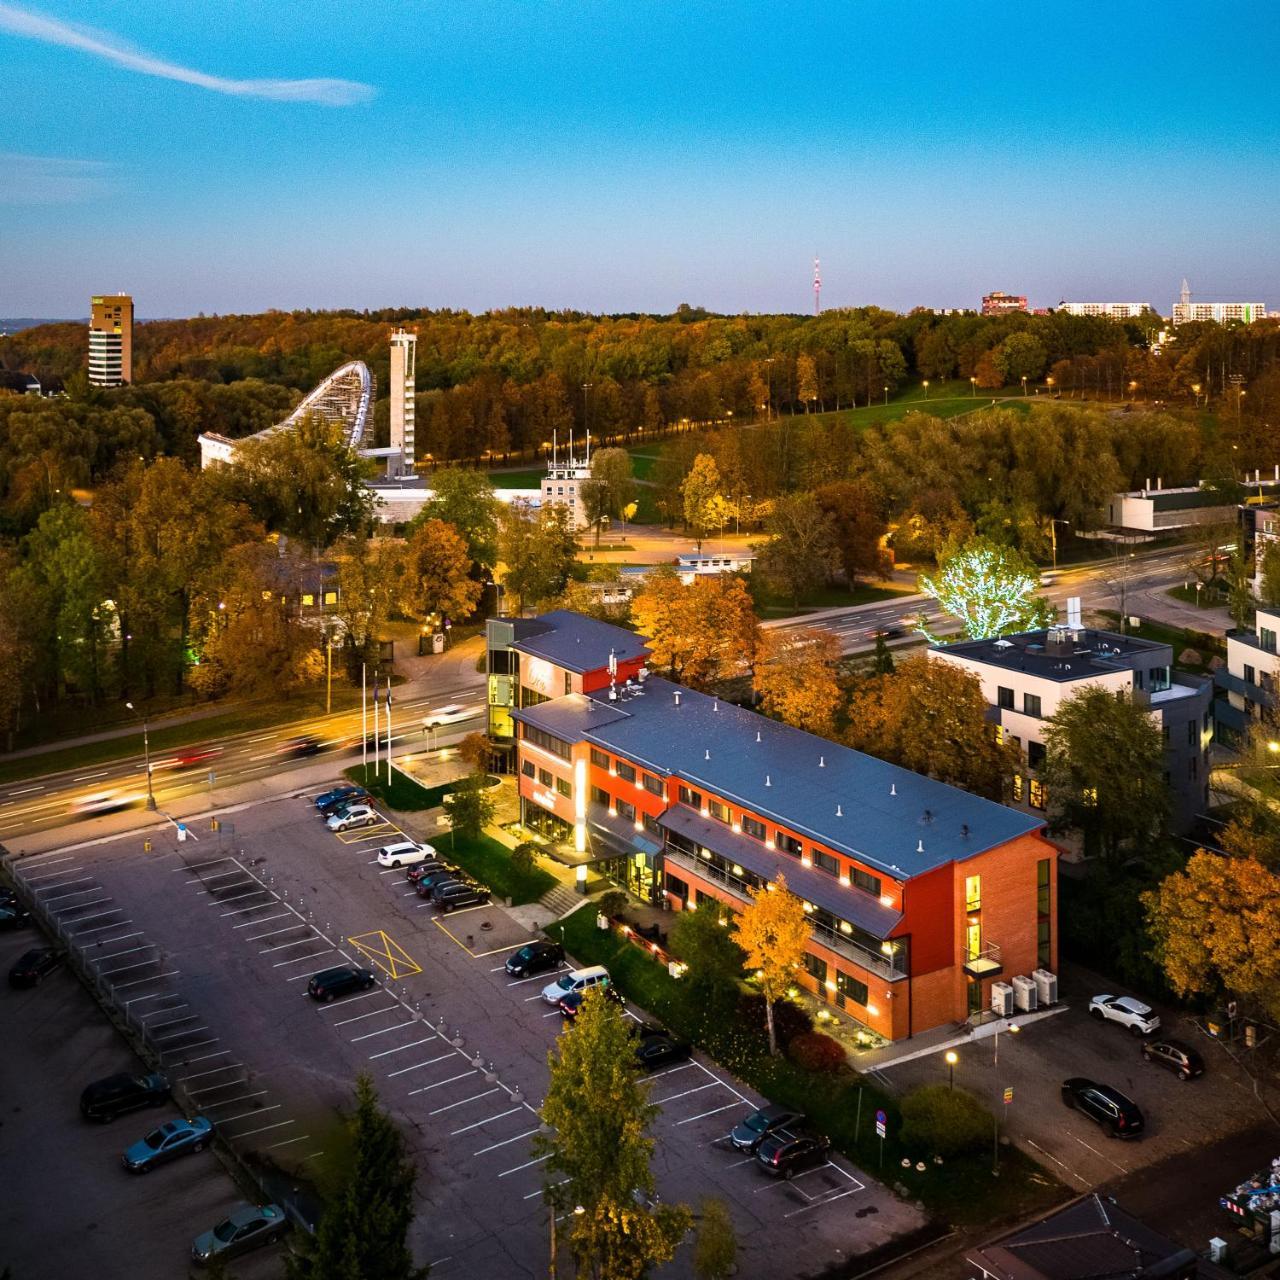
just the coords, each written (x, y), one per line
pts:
(1218, 1250)
(1046, 986)
(1024, 994)
(1002, 999)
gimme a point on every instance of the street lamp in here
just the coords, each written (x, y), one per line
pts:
(926, 388)
(952, 1059)
(1013, 1029)
(886, 397)
(1024, 384)
(1053, 537)
(973, 387)
(146, 757)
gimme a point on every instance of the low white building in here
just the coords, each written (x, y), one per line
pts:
(1253, 672)
(1154, 509)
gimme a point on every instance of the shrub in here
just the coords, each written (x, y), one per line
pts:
(789, 1020)
(943, 1121)
(524, 857)
(813, 1051)
(612, 904)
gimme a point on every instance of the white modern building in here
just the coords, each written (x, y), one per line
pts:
(1154, 509)
(1110, 310)
(1253, 669)
(562, 485)
(404, 351)
(1185, 311)
(1026, 678)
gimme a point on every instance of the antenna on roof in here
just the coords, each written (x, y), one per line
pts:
(768, 780)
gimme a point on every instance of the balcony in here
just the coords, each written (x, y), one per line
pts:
(985, 963)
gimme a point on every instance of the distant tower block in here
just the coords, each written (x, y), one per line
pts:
(404, 352)
(817, 288)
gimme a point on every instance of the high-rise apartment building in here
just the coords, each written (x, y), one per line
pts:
(1000, 304)
(1185, 311)
(404, 348)
(1111, 310)
(111, 340)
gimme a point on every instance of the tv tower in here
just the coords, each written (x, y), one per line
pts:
(817, 288)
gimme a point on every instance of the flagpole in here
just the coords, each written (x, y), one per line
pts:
(364, 726)
(375, 728)
(388, 731)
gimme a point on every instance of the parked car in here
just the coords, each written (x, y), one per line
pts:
(434, 880)
(173, 1138)
(1118, 1115)
(13, 915)
(748, 1135)
(1127, 1011)
(573, 981)
(657, 1047)
(340, 981)
(327, 800)
(783, 1155)
(404, 853)
(454, 713)
(428, 867)
(239, 1232)
(32, 967)
(1176, 1056)
(535, 957)
(357, 815)
(459, 893)
(7, 896)
(570, 1004)
(117, 1095)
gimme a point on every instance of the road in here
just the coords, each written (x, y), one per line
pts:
(1149, 577)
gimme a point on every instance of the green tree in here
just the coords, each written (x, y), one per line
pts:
(369, 581)
(801, 553)
(715, 1256)
(598, 1150)
(437, 574)
(856, 527)
(990, 588)
(1269, 585)
(470, 806)
(701, 941)
(700, 491)
(610, 489)
(1020, 355)
(464, 499)
(1240, 603)
(1104, 772)
(882, 658)
(773, 931)
(363, 1230)
(537, 552)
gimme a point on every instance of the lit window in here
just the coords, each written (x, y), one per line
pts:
(973, 893)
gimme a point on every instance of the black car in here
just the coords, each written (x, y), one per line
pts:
(459, 893)
(748, 1135)
(420, 871)
(339, 982)
(105, 1099)
(535, 957)
(657, 1047)
(300, 748)
(1176, 1056)
(783, 1155)
(433, 880)
(338, 799)
(7, 896)
(13, 915)
(34, 966)
(570, 1004)
(1118, 1115)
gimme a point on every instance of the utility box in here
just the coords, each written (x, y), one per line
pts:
(1024, 994)
(1002, 999)
(1046, 986)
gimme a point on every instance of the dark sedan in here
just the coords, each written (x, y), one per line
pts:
(117, 1095)
(433, 880)
(33, 966)
(1118, 1115)
(1174, 1056)
(783, 1155)
(657, 1047)
(430, 867)
(748, 1135)
(13, 915)
(535, 957)
(340, 981)
(459, 893)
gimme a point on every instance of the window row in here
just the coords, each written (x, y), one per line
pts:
(546, 777)
(627, 772)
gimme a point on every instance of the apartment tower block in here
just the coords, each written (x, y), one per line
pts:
(111, 340)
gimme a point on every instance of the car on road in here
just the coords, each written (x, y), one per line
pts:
(7, 896)
(1174, 1056)
(570, 1004)
(100, 802)
(32, 967)
(301, 747)
(178, 1137)
(1118, 1115)
(573, 981)
(535, 957)
(119, 1094)
(357, 815)
(193, 757)
(893, 631)
(335, 797)
(453, 713)
(748, 1135)
(656, 1047)
(13, 915)
(453, 894)
(783, 1155)
(340, 981)
(404, 853)
(1127, 1011)
(240, 1231)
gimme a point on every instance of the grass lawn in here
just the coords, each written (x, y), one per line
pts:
(842, 1105)
(530, 478)
(1206, 598)
(772, 606)
(490, 862)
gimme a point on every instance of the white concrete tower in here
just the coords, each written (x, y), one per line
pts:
(404, 350)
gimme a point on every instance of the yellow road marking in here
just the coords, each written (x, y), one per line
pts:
(388, 955)
(378, 831)
(477, 955)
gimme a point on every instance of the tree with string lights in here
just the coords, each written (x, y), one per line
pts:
(990, 588)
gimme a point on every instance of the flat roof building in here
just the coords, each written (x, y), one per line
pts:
(1001, 304)
(1185, 311)
(111, 340)
(1110, 310)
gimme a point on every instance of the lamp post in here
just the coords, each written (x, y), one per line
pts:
(577, 1212)
(146, 758)
(926, 388)
(973, 388)
(328, 670)
(1053, 537)
(1024, 384)
(952, 1059)
(1013, 1029)
(886, 397)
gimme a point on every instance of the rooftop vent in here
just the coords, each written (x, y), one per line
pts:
(758, 738)
(839, 811)
(893, 788)
(768, 780)
(927, 816)
(822, 762)
(706, 755)
(920, 846)
(715, 704)
(677, 697)
(964, 830)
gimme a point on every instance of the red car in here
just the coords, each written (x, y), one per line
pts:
(190, 757)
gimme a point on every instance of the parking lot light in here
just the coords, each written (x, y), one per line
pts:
(1013, 1028)
(952, 1058)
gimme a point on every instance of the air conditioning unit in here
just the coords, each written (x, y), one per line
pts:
(1002, 999)
(1046, 986)
(1024, 994)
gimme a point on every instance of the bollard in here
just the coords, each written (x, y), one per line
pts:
(214, 825)
(146, 846)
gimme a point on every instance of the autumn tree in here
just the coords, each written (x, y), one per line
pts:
(856, 528)
(716, 1253)
(700, 633)
(1269, 584)
(773, 931)
(703, 501)
(436, 578)
(536, 551)
(369, 583)
(796, 677)
(1215, 927)
(597, 1116)
(464, 499)
(801, 553)
(806, 381)
(991, 589)
(603, 595)
(1104, 771)
(930, 716)
(609, 490)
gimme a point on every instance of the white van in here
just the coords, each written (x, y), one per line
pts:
(575, 980)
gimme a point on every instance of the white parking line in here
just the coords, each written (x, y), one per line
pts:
(520, 982)
(289, 1142)
(244, 1115)
(175, 1035)
(217, 875)
(235, 897)
(506, 1142)
(670, 1071)
(440, 1083)
(163, 1008)
(124, 968)
(249, 924)
(213, 1071)
(373, 1013)
(324, 951)
(527, 1164)
(106, 942)
(137, 982)
(439, 1111)
(80, 906)
(700, 1088)
(703, 1114)
(280, 946)
(195, 866)
(401, 1047)
(159, 995)
(213, 1088)
(377, 991)
(83, 880)
(205, 1058)
(271, 933)
(98, 928)
(382, 1031)
(235, 1137)
(244, 1097)
(417, 1066)
(128, 951)
(186, 1048)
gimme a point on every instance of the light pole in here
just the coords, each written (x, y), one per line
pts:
(886, 397)
(328, 670)
(1013, 1029)
(926, 388)
(577, 1212)
(952, 1059)
(973, 388)
(1024, 384)
(146, 758)
(1053, 537)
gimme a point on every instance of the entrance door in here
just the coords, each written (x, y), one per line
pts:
(974, 993)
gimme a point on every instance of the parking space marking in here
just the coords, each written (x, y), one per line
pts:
(124, 968)
(124, 937)
(382, 1031)
(47, 875)
(704, 1114)
(324, 951)
(235, 1137)
(175, 1035)
(537, 977)
(377, 991)
(186, 1048)
(62, 911)
(373, 1013)
(288, 1142)
(98, 928)
(1100, 1156)
(83, 880)
(213, 1071)
(817, 1204)
(217, 875)
(128, 951)
(205, 1058)
(400, 1048)
(249, 924)
(429, 1062)
(506, 1142)
(245, 1115)
(697, 1089)
(213, 1088)
(137, 982)
(273, 933)
(670, 1071)
(235, 897)
(195, 866)
(439, 1083)
(244, 1097)
(528, 1164)
(159, 995)
(281, 946)
(257, 906)
(439, 1111)
(164, 1008)
(475, 955)
(381, 949)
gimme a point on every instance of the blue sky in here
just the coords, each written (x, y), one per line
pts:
(635, 154)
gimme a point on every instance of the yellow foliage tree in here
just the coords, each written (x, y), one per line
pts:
(1216, 929)
(795, 677)
(773, 932)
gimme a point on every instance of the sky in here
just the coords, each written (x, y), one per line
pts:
(630, 155)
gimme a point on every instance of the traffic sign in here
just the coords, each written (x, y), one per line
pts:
(880, 1129)
(881, 1117)
(1008, 1093)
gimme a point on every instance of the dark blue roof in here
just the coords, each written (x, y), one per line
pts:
(885, 816)
(578, 643)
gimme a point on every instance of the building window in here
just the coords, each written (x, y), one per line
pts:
(973, 893)
(600, 796)
(568, 682)
(599, 759)
(1191, 733)
(652, 825)
(972, 939)
(1035, 754)
(825, 862)
(1036, 793)
(1193, 771)
(720, 812)
(548, 742)
(1164, 733)
(563, 787)
(816, 968)
(626, 810)
(789, 844)
(692, 798)
(652, 785)
(1267, 639)
(1017, 788)
(1044, 943)
(528, 769)
(626, 772)
(545, 777)
(752, 827)
(677, 887)
(1031, 704)
(531, 697)
(1249, 677)
(1004, 698)
(865, 881)
(850, 990)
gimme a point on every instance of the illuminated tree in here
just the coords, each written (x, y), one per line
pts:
(773, 931)
(990, 588)
(806, 380)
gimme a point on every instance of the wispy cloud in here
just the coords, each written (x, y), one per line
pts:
(104, 45)
(50, 179)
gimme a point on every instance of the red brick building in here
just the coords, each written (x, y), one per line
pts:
(920, 895)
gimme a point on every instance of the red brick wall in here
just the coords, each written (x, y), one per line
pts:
(928, 916)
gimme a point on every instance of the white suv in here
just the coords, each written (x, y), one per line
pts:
(404, 854)
(1127, 1011)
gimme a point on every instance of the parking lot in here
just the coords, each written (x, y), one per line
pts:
(1180, 1116)
(241, 918)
